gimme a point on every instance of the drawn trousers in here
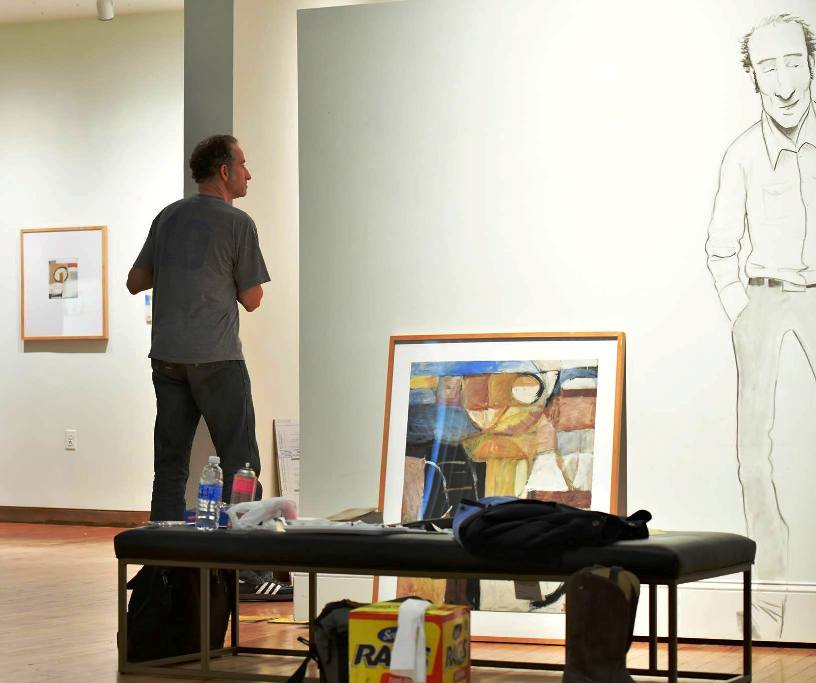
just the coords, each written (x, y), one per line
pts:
(219, 391)
(757, 334)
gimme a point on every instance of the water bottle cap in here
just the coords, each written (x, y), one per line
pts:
(214, 460)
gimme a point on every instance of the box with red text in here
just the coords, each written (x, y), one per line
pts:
(372, 630)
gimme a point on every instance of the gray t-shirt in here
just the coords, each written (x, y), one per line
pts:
(202, 252)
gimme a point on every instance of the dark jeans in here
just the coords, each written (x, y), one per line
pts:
(220, 392)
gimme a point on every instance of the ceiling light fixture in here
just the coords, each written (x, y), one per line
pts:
(104, 10)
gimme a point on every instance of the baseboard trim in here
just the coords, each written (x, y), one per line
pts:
(32, 515)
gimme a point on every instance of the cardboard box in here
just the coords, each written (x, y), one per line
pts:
(372, 630)
(369, 515)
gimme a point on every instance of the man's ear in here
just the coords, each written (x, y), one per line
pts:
(223, 171)
(811, 64)
(752, 74)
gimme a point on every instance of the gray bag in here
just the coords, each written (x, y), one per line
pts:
(331, 644)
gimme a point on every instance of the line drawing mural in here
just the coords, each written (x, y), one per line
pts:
(764, 216)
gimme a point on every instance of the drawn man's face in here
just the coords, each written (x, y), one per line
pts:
(779, 57)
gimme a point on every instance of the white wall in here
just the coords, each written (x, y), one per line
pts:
(512, 165)
(91, 115)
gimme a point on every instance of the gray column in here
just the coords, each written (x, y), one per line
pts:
(208, 109)
(208, 74)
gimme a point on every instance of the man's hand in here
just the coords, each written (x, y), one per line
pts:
(734, 299)
(250, 298)
(139, 280)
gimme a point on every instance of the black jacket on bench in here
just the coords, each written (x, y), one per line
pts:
(516, 527)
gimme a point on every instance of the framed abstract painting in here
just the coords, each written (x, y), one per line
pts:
(531, 415)
(63, 283)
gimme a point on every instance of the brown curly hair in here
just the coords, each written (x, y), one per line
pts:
(209, 155)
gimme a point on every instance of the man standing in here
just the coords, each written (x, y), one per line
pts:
(201, 258)
(768, 185)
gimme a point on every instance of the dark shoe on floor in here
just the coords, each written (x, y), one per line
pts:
(262, 587)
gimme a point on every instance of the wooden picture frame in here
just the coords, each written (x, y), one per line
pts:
(533, 415)
(64, 283)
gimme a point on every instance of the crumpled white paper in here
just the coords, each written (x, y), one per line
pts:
(253, 513)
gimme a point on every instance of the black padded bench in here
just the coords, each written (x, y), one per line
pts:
(668, 559)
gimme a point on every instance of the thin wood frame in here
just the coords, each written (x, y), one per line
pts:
(620, 337)
(104, 284)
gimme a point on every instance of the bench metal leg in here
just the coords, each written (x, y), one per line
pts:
(236, 607)
(204, 618)
(312, 604)
(121, 595)
(653, 627)
(746, 624)
(672, 673)
(672, 632)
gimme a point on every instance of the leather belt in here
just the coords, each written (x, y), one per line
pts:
(772, 282)
(765, 282)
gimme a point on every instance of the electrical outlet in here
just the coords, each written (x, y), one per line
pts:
(70, 439)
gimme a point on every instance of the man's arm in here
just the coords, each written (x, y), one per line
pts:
(249, 270)
(140, 276)
(250, 298)
(724, 233)
(139, 280)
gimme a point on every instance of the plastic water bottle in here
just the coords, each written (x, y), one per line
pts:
(209, 494)
(243, 485)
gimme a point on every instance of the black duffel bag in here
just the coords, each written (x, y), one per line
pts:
(164, 608)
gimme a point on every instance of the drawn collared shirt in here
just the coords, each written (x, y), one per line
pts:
(767, 184)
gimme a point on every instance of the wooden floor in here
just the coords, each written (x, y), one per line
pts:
(58, 622)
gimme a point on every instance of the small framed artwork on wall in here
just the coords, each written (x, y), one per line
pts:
(63, 283)
(531, 415)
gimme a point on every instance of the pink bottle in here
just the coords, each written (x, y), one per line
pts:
(243, 485)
